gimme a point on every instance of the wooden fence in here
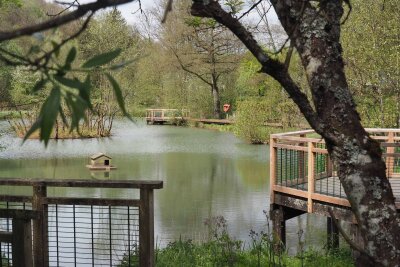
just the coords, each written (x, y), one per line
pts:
(300, 166)
(84, 231)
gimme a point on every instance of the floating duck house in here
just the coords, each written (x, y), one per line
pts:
(100, 161)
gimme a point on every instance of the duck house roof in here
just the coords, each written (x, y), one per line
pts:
(99, 155)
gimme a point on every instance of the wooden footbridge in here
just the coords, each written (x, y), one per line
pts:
(304, 179)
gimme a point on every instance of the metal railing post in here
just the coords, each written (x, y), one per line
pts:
(146, 228)
(40, 227)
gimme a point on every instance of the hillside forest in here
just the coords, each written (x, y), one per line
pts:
(197, 65)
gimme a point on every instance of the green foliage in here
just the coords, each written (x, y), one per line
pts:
(223, 250)
(371, 50)
(250, 119)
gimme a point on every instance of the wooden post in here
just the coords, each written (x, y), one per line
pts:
(332, 234)
(301, 161)
(310, 178)
(278, 228)
(40, 227)
(22, 243)
(389, 158)
(146, 228)
(272, 170)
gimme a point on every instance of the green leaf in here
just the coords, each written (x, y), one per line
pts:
(57, 49)
(72, 83)
(71, 56)
(84, 92)
(122, 64)
(118, 94)
(101, 59)
(39, 85)
(35, 126)
(49, 113)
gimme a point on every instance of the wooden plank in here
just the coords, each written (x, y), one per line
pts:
(131, 184)
(40, 227)
(6, 237)
(146, 228)
(290, 147)
(290, 191)
(389, 157)
(22, 243)
(310, 131)
(19, 214)
(382, 130)
(299, 139)
(311, 176)
(92, 201)
(320, 150)
(14, 198)
(330, 199)
(272, 170)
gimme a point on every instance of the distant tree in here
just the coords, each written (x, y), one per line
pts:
(203, 48)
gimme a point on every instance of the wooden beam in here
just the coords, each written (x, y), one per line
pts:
(146, 228)
(290, 191)
(311, 176)
(272, 168)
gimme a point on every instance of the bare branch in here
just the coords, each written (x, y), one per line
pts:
(81, 11)
(269, 65)
(168, 8)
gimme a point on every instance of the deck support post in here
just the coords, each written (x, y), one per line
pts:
(357, 238)
(390, 159)
(146, 228)
(311, 176)
(40, 227)
(278, 228)
(332, 234)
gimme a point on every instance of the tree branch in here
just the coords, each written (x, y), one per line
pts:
(269, 66)
(81, 11)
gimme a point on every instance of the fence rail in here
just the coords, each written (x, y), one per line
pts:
(82, 231)
(300, 166)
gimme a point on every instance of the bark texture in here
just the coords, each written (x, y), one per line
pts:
(314, 29)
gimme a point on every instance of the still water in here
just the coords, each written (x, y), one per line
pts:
(205, 173)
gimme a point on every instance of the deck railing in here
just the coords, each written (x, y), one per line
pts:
(300, 165)
(84, 231)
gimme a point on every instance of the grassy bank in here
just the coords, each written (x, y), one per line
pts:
(223, 250)
(212, 253)
(260, 135)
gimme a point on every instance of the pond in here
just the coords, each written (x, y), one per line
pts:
(205, 173)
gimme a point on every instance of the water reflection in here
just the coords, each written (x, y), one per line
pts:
(205, 174)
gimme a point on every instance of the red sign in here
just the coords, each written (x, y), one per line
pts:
(226, 107)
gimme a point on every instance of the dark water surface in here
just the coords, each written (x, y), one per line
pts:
(205, 174)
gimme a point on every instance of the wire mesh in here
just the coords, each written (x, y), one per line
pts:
(291, 168)
(92, 235)
(84, 235)
(6, 226)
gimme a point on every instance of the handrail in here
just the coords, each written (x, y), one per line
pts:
(301, 166)
(131, 184)
(40, 203)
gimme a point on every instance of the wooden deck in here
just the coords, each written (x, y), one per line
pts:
(161, 116)
(303, 176)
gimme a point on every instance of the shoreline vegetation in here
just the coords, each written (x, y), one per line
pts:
(221, 249)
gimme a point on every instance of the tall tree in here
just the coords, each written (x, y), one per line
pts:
(203, 48)
(314, 30)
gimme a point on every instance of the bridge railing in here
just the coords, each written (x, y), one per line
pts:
(300, 165)
(84, 231)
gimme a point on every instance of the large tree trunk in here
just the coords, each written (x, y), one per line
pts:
(315, 32)
(216, 99)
